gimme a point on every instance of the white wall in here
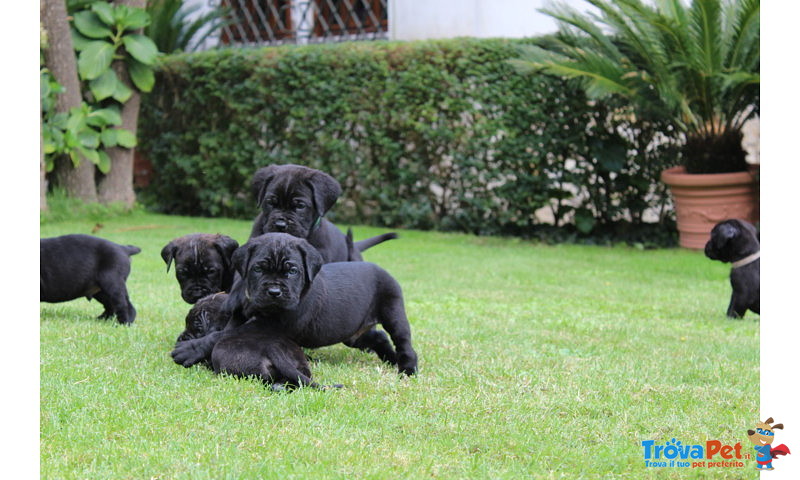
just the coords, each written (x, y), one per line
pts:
(426, 19)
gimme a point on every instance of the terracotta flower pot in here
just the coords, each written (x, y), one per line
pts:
(703, 200)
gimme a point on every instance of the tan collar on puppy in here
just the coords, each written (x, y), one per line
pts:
(746, 260)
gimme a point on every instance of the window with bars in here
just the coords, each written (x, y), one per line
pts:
(275, 22)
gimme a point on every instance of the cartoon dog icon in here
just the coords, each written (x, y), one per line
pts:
(762, 437)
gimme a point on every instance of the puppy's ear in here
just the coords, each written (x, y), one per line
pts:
(225, 245)
(168, 253)
(312, 261)
(261, 180)
(728, 232)
(325, 191)
(241, 259)
(750, 229)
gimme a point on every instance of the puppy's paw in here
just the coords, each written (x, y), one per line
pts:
(187, 354)
(407, 363)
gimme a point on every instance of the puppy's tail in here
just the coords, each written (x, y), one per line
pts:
(131, 249)
(349, 241)
(362, 245)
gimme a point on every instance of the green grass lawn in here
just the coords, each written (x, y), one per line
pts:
(535, 361)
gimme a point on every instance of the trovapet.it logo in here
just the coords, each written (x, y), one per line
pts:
(762, 437)
(676, 454)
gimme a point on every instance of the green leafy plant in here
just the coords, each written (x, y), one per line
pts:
(172, 30)
(695, 66)
(104, 33)
(83, 131)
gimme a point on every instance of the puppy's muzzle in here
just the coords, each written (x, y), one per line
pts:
(192, 295)
(280, 225)
(274, 291)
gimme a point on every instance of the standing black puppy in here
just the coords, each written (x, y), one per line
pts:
(202, 264)
(285, 282)
(74, 266)
(293, 199)
(737, 242)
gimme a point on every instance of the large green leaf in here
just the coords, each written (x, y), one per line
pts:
(136, 18)
(141, 48)
(90, 154)
(105, 12)
(103, 162)
(122, 93)
(105, 85)
(75, 157)
(49, 146)
(120, 12)
(89, 138)
(125, 138)
(95, 59)
(90, 25)
(76, 120)
(79, 42)
(105, 117)
(141, 75)
(109, 137)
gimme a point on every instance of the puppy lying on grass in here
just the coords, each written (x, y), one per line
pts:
(74, 266)
(285, 283)
(260, 350)
(253, 349)
(204, 317)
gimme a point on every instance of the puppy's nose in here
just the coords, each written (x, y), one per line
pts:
(280, 225)
(274, 291)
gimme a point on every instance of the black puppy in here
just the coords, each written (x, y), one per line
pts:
(254, 349)
(204, 317)
(202, 264)
(285, 282)
(258, 349)
(74, 266)
(737, 242)
(293, 199)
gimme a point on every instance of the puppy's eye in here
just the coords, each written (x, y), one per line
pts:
(257, 268)
(292, 271)
(299, 205)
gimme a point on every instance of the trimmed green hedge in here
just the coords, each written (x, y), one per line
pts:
(430, 135)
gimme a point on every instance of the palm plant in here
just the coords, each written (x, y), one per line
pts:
(172, 29)
(695, 65)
